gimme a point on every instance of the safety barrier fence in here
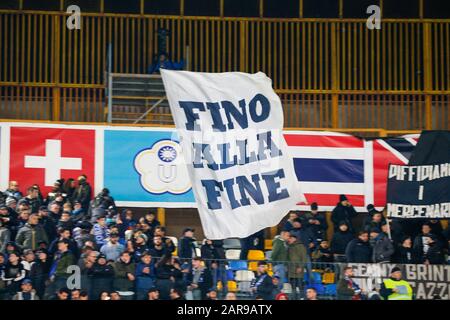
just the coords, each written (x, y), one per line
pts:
(329, 72)
(294, 278)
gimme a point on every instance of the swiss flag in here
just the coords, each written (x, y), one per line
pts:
(43, 155)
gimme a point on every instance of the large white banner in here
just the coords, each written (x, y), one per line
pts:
(230, 127)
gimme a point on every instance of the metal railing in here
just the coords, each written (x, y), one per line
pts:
(335, 69)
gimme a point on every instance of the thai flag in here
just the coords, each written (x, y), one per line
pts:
(328, 164)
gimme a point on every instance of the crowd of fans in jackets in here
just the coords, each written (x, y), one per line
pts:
(43, 239)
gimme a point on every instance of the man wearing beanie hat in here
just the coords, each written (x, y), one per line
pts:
(395, 288)
(339, 242)
(382, 247)
(343, 211)
(316, 223)
(83, 192)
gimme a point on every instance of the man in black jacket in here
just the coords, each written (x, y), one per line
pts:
(199, 280)
(341, 239)
(47, 223)
(83, 192)
(186, 244)
(262, 285)
(359, 250)
(343, 211)
(427, 247)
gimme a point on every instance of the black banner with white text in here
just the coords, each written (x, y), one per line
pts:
(419, 191)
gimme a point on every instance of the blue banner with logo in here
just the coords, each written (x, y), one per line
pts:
(146, 168)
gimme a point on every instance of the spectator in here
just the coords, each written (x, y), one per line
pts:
(28, 261)
(231, 296)
(126, 222)
(289, 223)
(297, 258)
(382, 247)
(316, 223)
(157, 248)
(27, 292)
(212, 250)
(150, 219)
(405, 254)
(375, 222)
(280, 255)
(83, 192)
(102, 275)
(323, 253)
(277, 286)
(59, 272)
(112, 249)
(168, 275)
(64, 234)
(124, 278)
(164, 62)
(75, 294)
(65, 222)
(311, 294)
(145, 276)
(138, 246)
(153, 294)
(39, 272)
(82, 235)
(57, 191)
(47, 223)
(176, 294)
(104, 295)
(359, 249)
(211, 295)
(395, 288)
(199, 281)
(343, 211)
(5, 236)
(339, 242)
(423, 243)
(371, 211)
(84, 295)
(100, 231)
(13, 191)
(69, 188)
(104, 200)
(62, 294)
(32, 199)
(252, 242)
(31, 234)
(78, 214)
(115, 296)
(303, 235)
(55, 211)
(262, 284)
(13, 274)
(24, 215)
(9, 219)
(281, 296)
(186, 244)
(347, 289)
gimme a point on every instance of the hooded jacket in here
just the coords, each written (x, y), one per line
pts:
(382, 249)
(343, 213)
(297, 257)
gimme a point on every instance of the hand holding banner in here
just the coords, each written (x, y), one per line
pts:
(230, 125)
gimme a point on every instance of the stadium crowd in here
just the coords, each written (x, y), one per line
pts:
(43, 239)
